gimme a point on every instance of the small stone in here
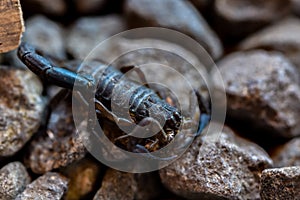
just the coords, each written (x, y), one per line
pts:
(53, 7)
(262, 89)
(88, 32)
(21, 107)
(239, 18)
(280, 183)
(89, 6)
(60, 145)
(49, 186)
(49, 38)
(288, 154)
(217, 166)
(13, 180)
(179, 15)
(282, 36)
(83, 176)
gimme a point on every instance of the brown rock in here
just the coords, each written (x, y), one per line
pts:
(280, 183)
(288, 154)
(53, 7)
(59, 145)
(282, 36)
(179, 15)
(49, 186)
(263, 89)
(217, 166)
(238, 18)
(13, 180)
(88, 32)
(21, 108)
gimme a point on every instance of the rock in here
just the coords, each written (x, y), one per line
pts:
(88, 32)
(239, 18)
(280, 183)
(122, 185)
(282, 36)
(83, 176)
(179, 15)
(262, 90)
(13, 180)
(54, 7)
(21, 107)
(49, 186)
(89, 6)
(296, 6)
(217, 166)
(60, 145)
(288, 154)
(49, 38)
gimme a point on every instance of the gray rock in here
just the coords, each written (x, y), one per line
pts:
(13, 180)
(288, 154)
(217, 166)
(282, 36)
(280, 183)
(88, 32)
(45, 35)
(21, 108)
(49, 186)
(60, 145)
(263, 89)
(53, 7)
(238, 18)
(179, 15)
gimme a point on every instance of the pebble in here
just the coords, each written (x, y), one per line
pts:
(59, 145)
(280, 183)
(283, 36)
(178, 15)
(90, 31)
(49, 39)
(239, 18)
(288, 154)
(263, 90)
(21, 107)
(217, 166)
(13, 180)
(49, 186)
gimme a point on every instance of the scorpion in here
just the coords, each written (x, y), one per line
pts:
(141, 101)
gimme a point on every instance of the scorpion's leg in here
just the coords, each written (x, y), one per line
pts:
(139, 72)
(205, 116)
(48, 72)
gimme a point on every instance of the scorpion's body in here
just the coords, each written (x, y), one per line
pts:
(112, 88)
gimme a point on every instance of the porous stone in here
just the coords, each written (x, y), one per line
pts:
(239, 18)
(49, 186)
(13, 180)
(21, 107)
(179, 15)
(288, 154)
(59, 145)
(262, 89)
(280, 183)
(282, 36)
(220, 165)
(88, 32)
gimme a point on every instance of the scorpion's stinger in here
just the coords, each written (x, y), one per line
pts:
(45, 69)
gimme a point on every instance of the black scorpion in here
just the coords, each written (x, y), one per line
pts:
(141, 100)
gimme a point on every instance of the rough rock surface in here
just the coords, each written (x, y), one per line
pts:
(217, 166)
(280, 183)
(288, 154)
(238, 18)
(60, 145)
(49, 186)
(13, 180)
(282, 36)
(21, 108)
(262, 88)
(179, 15)
(91, 31)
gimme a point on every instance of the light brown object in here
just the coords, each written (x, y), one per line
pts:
(11, 25)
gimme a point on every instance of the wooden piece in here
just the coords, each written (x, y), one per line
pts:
(11, 24)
